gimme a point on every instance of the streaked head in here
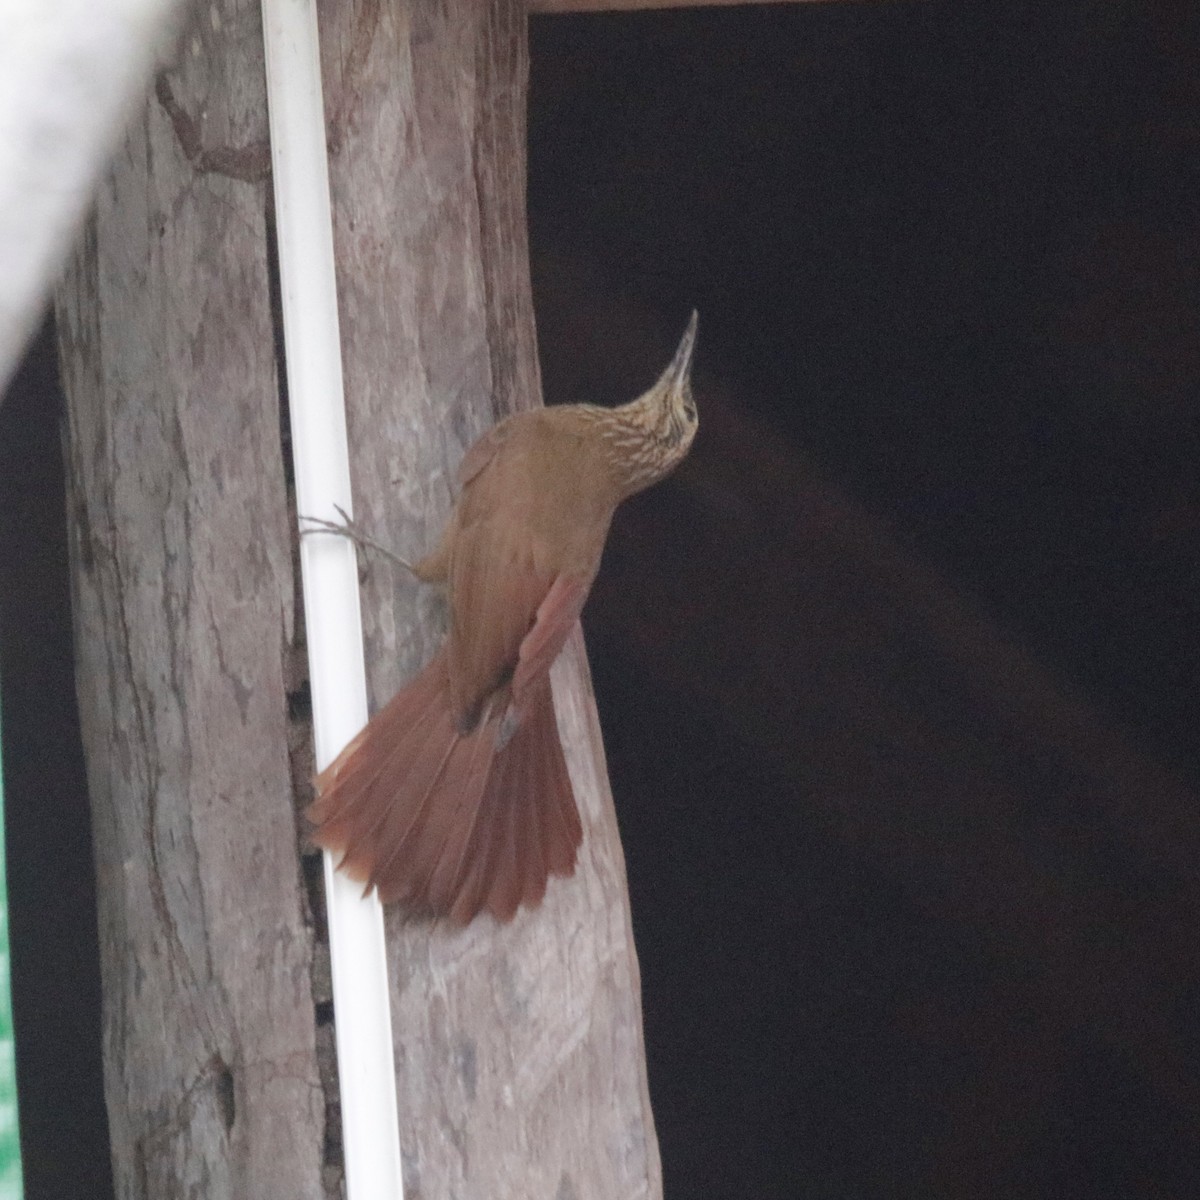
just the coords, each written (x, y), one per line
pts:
(674, 390)
(667, 412)
(647, 438)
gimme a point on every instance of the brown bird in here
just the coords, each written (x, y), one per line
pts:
(455, 797)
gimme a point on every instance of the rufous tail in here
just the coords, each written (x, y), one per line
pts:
(446, 822)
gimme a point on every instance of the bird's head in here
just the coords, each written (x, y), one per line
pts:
(648, 438)
(667, 412)
(673, 395)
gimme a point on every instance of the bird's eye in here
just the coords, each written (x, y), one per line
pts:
(689, 410)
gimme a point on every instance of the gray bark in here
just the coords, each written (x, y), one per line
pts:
(518, 1049)
(183, 610)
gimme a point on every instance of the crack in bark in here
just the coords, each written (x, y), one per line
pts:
(293, 647)
(242, 691)
(249, 164)
(498, 149)
(343, 109)
(147, 739)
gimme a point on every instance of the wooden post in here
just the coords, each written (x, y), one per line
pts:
(519, 1048)
(184, 627)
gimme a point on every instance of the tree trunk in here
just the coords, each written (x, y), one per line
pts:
(183, 602)
(519, 1048)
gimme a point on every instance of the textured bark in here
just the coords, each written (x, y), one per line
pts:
(183, 608)
(518, 1048)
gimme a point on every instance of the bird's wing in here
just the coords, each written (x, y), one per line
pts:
(495, 593)
(515, 590)
(556, 617)
(499, 576)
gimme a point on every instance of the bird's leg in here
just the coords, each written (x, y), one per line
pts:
(349, 529)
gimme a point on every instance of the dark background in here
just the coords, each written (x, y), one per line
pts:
(896, 675)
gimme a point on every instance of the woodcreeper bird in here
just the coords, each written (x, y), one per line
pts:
(455, 797)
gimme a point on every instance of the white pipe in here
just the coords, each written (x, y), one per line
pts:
(304, 226)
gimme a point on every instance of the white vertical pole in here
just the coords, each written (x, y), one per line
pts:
(331, 605)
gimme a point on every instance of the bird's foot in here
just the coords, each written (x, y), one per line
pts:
(349, 529)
